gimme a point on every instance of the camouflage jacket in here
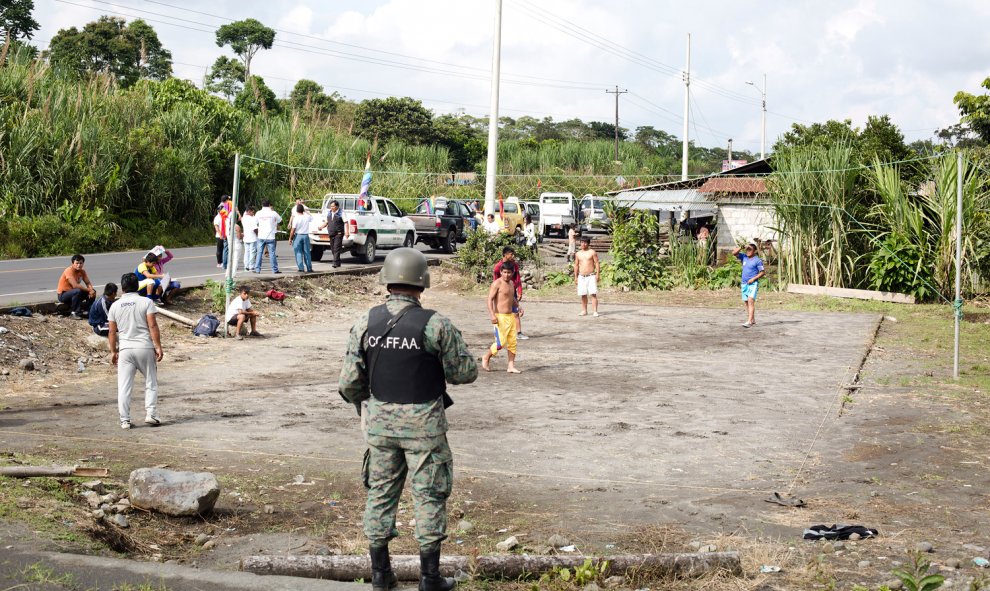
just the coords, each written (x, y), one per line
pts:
(442, 339)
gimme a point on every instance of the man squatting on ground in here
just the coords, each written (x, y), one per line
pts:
(399, 359)
(501, 309)
(586, 269)
(100, 310)
(135, 345)
(752, 272)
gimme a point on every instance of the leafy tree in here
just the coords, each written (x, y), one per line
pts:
(308, 95)
(226, 77)
(882, 140)
(246, 38)
(959, 136)
(463, 140)
(154, 61)
(126, 52)
(256, 97)
(403, 119)
(606, 131)
(16, 20)
(821, 135)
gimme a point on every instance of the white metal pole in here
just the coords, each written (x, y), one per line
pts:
(958, 301)
(231, 237)
(493, 114)
(763, 135)
(687, 105)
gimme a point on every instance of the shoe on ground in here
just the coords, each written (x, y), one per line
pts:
(240, 337)
(75, 315)
(255, 333)
(522, 337)
(152, 420)
(595, 314)
(746, 325)
(125, 424)
(276, 272)
(583, 314)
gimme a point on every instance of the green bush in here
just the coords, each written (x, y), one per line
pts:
(728, 275)
(481, 251)
(897, 265)
(636, 261)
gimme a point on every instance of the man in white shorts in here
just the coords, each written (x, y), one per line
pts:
(586, 269)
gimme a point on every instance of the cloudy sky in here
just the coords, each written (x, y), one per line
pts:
(839, 59)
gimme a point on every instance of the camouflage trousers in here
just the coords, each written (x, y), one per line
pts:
(387, 461)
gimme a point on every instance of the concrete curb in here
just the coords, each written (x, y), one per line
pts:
(50, 307)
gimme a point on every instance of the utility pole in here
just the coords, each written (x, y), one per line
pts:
(687, 105)
(730, 151)
(493, 114)
(617, 92)
(763, 134)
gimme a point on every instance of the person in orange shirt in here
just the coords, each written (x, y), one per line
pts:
(75, 288)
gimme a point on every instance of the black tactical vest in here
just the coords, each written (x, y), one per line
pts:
(400, 369)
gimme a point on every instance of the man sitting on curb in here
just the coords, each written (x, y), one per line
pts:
(75, 288)
(240, 310)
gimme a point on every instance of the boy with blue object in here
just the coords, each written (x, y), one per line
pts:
(752, 272)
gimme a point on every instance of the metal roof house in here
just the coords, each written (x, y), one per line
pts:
(736, 199)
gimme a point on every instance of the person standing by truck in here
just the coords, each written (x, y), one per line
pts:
(335, 230)
(399, 359)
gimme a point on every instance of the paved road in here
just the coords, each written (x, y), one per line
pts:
(33, 281)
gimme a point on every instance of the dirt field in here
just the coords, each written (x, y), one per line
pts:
(648, 427)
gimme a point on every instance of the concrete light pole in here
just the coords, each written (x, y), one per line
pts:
(687, 111)
(493, 114)
(763, 134)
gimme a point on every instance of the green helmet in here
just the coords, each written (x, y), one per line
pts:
(405, 266)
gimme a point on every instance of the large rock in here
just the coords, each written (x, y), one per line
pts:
(173, 493)
(98, 343)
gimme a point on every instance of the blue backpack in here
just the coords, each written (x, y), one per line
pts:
(207, 326)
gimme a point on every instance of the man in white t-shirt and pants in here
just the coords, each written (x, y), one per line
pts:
(250, 225)
(268, 221)
(135, 344)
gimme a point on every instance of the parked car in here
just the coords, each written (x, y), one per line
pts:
(513, 216)
(372, 223)
(533, 210)
(556, 213)
(441, 222)
(592, 213)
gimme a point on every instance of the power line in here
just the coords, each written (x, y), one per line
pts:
(569, 85)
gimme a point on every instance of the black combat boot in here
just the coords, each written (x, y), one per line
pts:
(429, 573)
(382, 577)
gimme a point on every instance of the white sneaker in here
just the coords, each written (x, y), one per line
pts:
(521, 337)
(595, 314)
(152, 420)
(583, 314)
(746, 325)
(125, 424)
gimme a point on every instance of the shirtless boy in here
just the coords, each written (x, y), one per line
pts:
(501, 298)
(586, 268)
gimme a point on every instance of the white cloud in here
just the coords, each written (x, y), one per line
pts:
(846, 58)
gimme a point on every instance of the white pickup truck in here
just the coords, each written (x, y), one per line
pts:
(370, 224)
(556, 213)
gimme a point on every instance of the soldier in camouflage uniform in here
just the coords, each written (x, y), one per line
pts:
(399, 359)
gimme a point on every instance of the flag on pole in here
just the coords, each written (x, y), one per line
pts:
(538, 183)
(364, 199)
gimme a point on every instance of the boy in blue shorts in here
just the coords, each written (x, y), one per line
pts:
(752, 272)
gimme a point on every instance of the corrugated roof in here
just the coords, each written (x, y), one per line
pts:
(672, 200)
(734, 185)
